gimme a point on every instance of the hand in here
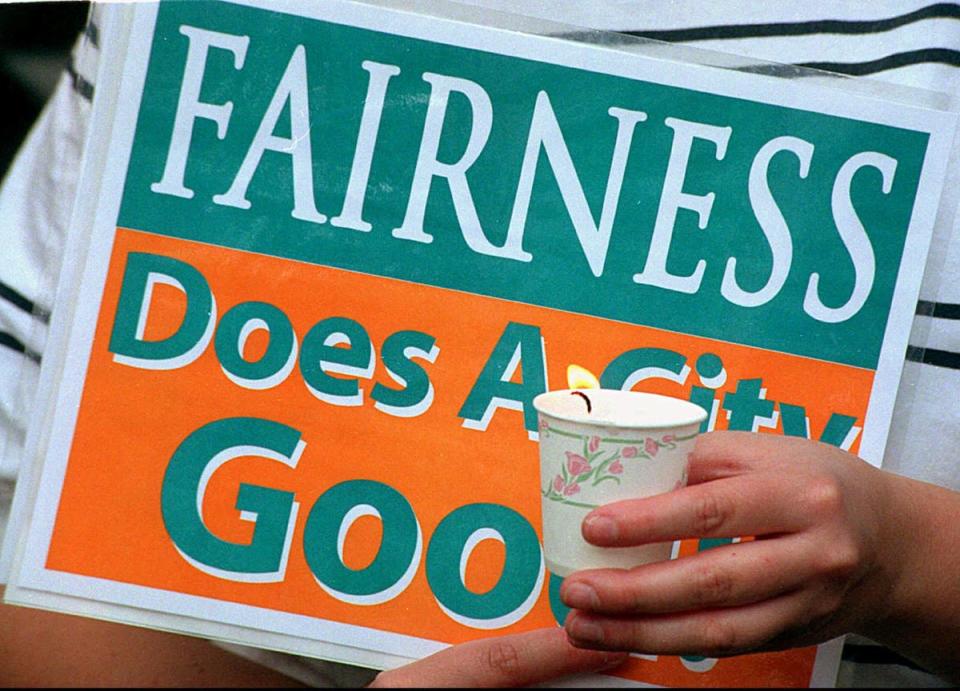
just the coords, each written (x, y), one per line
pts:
(819, 567)
(507, 661)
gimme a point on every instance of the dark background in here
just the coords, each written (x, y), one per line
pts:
(35, 43)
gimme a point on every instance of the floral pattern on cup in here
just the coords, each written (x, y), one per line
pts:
(598, 463)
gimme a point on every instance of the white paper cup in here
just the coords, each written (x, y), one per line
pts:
(628, 445)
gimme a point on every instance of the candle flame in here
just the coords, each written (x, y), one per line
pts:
(581, 378)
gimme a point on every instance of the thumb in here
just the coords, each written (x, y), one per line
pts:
(505, 661)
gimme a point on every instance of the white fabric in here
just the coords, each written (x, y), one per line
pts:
(35, 204)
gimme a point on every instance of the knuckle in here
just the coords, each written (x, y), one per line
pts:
(720, 638)
(502, 658)
(843, 559)
(823, 496)
(714, 586)
(712, 512)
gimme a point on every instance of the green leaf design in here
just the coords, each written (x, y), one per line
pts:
(614, 478)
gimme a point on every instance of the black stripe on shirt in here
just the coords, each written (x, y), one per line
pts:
(826, 26)
(932, 356)
(940, 310)
(80, 84)
(10, 341)
(945, 56)
(92, 32)
(24, 303)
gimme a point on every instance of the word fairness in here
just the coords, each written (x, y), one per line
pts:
(290, 109)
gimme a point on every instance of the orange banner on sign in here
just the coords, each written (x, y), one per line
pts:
(132, 420)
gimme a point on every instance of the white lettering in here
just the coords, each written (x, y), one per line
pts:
(854, 237)
(293, 89)
(545, 131)
(429, 167)
(771, 222)
(352, 214)
(673, 198)
(189, 107)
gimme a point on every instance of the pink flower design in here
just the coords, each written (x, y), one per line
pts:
(651, 447)
(571, 489)
(594, 444)
(543, 426)
(616, 467)
(558, 484)
(668, 438)
(576, 464)
(629, 452)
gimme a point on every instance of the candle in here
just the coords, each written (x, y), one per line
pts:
(603, 445)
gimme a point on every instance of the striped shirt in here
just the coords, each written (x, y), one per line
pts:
(907, 42)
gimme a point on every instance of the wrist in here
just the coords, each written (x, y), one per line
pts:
(918, 559)
(889, 606)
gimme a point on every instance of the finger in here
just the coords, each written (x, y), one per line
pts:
(724, 454)
(760, 503)
(505, 661)
(733, 575)
(713, 633)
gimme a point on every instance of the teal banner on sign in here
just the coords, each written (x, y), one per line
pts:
(519, 179)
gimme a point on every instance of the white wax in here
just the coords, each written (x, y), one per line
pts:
(616, 408)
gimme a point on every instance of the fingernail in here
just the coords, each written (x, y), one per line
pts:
(584, 631)
(600, 529)
(579, 596)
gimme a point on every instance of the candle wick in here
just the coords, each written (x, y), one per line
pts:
(584, 397)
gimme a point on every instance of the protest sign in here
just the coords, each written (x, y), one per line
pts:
(338, 248)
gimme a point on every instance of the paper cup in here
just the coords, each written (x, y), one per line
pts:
(628, 445)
